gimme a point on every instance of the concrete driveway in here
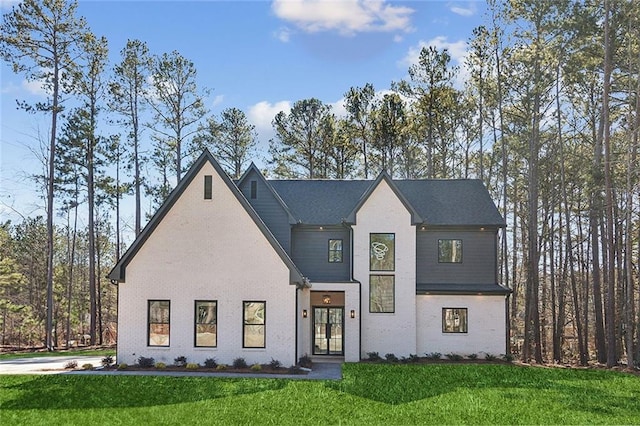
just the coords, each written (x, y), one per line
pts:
(45, 364)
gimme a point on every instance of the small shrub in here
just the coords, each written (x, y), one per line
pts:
(123, 366)
(221, 367)
(433, 355)
(70, 365)
(305, 361)
(373, 356)
(414, 358)
(274, 364)
(87, 366)
(192, 366)
(160, 365)
(239, 363)
(180, 361)
(490, 357)
(391, 358)
(507, 357)
(256, 367)
(145, 362)
(107, 361)
(210, 363)
(472, 356)
(454, 357)
(295, 369)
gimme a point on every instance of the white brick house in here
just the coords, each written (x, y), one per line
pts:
(278, 269)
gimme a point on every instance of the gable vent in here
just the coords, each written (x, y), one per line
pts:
(208, 187)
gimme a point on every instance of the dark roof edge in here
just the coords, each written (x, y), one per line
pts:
(463, 289)
(415, 217)
(252, 167)
(118, 271)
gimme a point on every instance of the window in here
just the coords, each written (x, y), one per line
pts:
(206, 323)
(454, 320)
(158, 320)
(382, 252)
(253, 331)
(208, 187)
(335, 251)
(450, 251)
(254, 189)
(382, 293)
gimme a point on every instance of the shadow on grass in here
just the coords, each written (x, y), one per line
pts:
(597, 392)
(83, 392)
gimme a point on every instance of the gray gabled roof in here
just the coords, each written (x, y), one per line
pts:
(254, 170)
(384, 176)
(458, 202)
(118, 271)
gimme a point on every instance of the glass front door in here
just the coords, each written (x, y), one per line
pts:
(327, 330)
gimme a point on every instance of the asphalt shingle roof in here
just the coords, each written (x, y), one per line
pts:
(439, 202)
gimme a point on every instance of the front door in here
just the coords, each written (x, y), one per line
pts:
(328, 324)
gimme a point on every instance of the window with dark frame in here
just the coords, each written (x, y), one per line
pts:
(158, 331)
(381, 293)
(208, 187)
(206, 324)
(449, 251)
(335, 251)
(382, 252)
(253, 321)
(454, 320)
(254, 189)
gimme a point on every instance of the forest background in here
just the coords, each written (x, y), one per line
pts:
(545, 111)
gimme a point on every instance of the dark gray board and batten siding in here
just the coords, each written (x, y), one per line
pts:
(310, 247)
(478, 264)
(269, 209)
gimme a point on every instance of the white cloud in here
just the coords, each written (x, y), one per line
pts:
(261, 114)
(217, 100)
(470, 10)
(338, 108)
(283, 34)
(456, 49)
(8, 4)
(347, 17)
(35, 87)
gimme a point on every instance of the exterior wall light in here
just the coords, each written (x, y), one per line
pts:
(326, 299)
(304, 313)
(352, 313)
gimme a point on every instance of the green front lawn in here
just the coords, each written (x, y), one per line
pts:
(368, 394)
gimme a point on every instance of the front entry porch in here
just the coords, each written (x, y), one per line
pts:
(329, 329)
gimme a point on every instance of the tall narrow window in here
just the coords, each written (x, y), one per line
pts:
(335, 251)
(450, 251)
(158, 323)
(382, 293)
(254, 189)
(206, 323)
(382, 252)
(253, 319)
(454, 320)
(208, 187)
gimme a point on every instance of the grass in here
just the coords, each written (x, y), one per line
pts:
(70, 352)
(368, 394)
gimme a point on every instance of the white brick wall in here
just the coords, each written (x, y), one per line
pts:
(486, 325)
(394, 332)
(207, 250)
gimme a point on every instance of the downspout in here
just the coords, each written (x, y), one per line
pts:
(297, 325)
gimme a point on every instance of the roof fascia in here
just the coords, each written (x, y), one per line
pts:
(118, 271)
(252, 167)
(416, 219)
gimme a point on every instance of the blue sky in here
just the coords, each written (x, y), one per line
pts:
(258, 56)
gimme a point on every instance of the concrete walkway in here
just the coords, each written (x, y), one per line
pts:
(45, 364)
(55, 365)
